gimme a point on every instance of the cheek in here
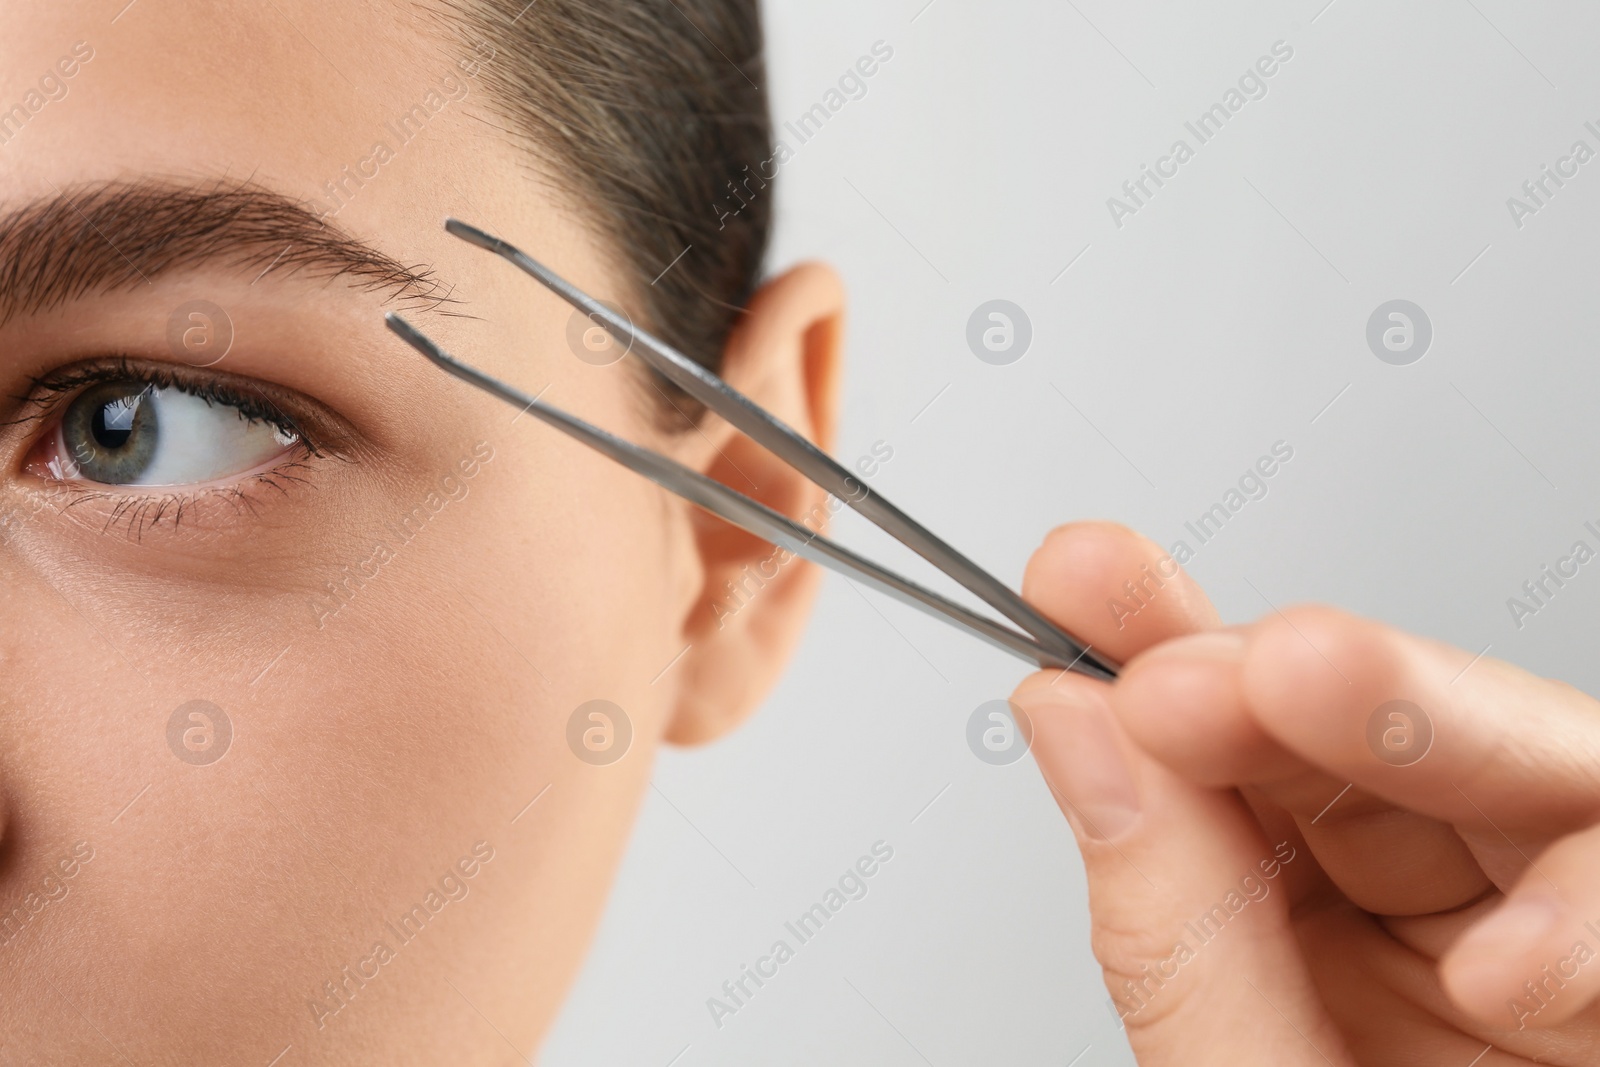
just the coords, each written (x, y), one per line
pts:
(441, 711)
(361, 758)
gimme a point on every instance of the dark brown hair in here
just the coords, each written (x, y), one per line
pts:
(649, 109)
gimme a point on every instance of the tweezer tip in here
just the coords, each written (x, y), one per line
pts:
(415, 338)
(471, 234)
(400, 325)
(500, 247)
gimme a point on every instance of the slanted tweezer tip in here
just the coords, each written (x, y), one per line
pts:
(410, 333)
(416, 338)
(471, 234)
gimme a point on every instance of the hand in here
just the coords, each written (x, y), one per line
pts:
(1275, 880)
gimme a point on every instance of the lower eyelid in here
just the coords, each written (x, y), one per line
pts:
(140, 512)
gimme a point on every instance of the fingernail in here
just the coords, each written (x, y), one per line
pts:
(1075, 745)
(1510, 930)
(1216, 646)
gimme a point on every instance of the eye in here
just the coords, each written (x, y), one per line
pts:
(140, 433)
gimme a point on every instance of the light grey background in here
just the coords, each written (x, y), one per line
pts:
(1229, 313)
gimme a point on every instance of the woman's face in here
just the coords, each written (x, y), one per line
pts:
(295, 625)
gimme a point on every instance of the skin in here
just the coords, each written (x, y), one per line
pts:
(172, 913)
(1393, 923)
(375, 749)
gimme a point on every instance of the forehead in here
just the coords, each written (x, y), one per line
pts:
(374, 116)
(300, 95)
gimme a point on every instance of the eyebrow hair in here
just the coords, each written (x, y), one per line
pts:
(117, 235)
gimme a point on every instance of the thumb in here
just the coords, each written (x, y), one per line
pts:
(1524, 963)
(1190, 916)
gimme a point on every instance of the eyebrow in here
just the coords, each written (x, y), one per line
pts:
(117, 235)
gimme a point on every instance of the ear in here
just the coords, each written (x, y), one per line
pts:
(744, 620)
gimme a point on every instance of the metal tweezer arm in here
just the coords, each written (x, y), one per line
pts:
(1043, 643)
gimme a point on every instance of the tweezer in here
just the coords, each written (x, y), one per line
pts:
(1039, 641)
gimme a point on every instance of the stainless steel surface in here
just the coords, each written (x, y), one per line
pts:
(1051, 645)
(748, 514)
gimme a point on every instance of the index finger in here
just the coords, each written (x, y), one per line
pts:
(1478, 743)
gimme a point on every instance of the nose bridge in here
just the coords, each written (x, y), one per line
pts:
(17, 512)
(17, 620)
(20, 605)
(13, 517)
(27, 597)
(17, 517)
(48, 660)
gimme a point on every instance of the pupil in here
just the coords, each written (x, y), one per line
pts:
(113, 422)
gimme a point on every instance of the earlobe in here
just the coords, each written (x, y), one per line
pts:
(747, 616)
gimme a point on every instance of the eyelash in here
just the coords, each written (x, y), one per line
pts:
(143, 511)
